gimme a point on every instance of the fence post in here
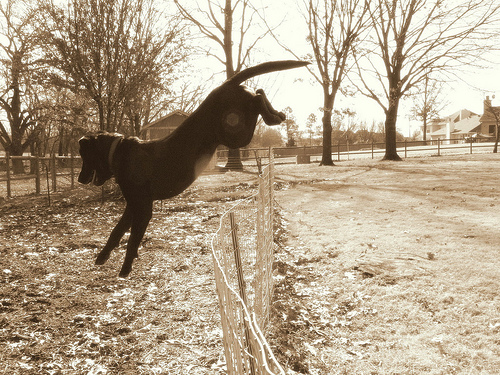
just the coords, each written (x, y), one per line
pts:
(471, 147)
(241, 285)
(347, 146)
(54, 177)
(7, 161)
(439, 146)
(406, 150)
(37, 174)
(72, 170)
(338, 151)
(372, 150)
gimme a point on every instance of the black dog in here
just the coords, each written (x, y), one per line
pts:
(147, 171)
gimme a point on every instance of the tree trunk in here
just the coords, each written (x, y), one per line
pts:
(326, 158)
(391, 117)
(234, 160)
(328, 100)
(233, 155)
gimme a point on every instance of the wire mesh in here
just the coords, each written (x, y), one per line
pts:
(243, 251)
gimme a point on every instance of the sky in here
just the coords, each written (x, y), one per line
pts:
(298, 90)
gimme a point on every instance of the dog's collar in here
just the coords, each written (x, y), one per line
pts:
(112, 150)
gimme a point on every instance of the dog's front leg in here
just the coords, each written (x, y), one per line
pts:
(141, 215)
(116, 234)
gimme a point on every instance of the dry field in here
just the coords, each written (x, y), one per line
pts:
(382, 268)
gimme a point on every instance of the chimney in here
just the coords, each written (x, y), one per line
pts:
(487, 104)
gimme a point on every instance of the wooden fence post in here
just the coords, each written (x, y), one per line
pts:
(72, 170)
(439, 146)
(7, 161)
(372, 150)
(406, 150)
(471, 147)
(37, 174)
(54, 175)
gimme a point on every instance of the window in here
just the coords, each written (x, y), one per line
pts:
(492, 129)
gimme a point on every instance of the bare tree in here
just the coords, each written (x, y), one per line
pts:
(335, 29)
(310, 125)
(414, 38)
(113, 52)
(228, 24)
(19, 43)
(429, 103)
(291, 128)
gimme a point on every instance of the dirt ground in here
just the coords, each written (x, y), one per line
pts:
(381, 268)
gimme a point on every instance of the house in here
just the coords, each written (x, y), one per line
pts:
(164, 126)
(489, 118)
(463, 125)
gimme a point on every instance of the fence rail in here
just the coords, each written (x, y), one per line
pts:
(60, 172)
(243, 251)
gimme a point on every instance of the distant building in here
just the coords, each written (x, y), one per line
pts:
(164, 126)
(463, 124)
(488, 120)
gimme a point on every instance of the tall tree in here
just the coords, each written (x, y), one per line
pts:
(291, 128)
(18, 45)
(310, 125)
(228, 23)
(335, 29)
(115, 53)
(414, 38)
(428, 104)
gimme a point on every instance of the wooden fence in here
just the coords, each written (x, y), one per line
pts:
(50, 174)
(41, 174)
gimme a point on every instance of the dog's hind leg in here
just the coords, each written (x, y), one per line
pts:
(141, 215)
(114, 238)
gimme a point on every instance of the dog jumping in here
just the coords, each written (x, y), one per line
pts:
(160, 169)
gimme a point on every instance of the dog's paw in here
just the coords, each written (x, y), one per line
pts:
(101, 259)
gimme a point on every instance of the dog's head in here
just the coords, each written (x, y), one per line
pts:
(233, 109)
(95, 151)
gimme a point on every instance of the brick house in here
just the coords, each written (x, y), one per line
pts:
(164, 126)
(464, 124)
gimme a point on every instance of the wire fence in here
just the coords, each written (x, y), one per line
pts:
(243, 251)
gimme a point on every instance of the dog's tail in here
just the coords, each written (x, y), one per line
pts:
(267, 67)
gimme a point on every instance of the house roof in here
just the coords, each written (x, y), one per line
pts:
(174, 113)
(467, 125)
(461, 124)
